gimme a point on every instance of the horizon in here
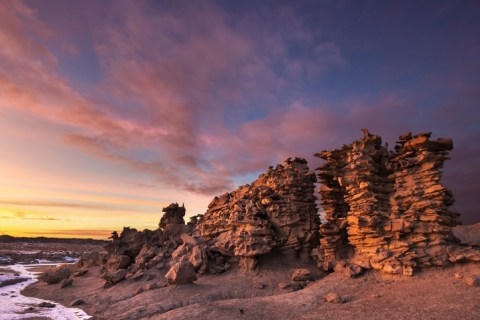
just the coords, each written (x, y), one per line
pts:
(112, 110)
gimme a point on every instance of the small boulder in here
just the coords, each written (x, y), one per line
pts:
(335, 298)
(292, 286)
(151, 286)
(115, 276)
(66, 282)
(196, 257)
(56, 275)
(301, 274)
(116, 262)
(188, 239)
(138, 275)
(473, 281)
(182, 272)
(352, 270)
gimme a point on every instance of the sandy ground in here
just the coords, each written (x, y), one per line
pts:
(430, 294)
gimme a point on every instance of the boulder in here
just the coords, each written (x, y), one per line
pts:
(301, 274)
(115, 276)
(463, 253)
(473, 281)
(468, 234)
(182, 272)
(116, 262)
(332, 298)
(66, 282)
(56, 275)
(91, 259)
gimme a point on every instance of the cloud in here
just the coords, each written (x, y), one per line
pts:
(84, 233)
(23, 216)
(168, 77)
(53, 204)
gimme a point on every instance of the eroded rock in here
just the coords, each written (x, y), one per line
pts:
(387, 210)
(300, 274)
(115, 276)
(276, 212)
(182, 272)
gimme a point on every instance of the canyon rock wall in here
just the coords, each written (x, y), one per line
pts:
(387, 210)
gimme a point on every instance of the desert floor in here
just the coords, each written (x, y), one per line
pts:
(434, 293)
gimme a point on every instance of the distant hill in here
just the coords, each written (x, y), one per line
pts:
(9, 239)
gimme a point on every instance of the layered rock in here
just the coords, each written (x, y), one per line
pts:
(387, 210)
(420, 224)
(276, 212)
(173, 214)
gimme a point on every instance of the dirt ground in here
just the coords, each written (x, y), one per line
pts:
(431, 294)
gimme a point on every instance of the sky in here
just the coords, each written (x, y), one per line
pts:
(111, 110)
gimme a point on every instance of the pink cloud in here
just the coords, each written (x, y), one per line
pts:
(171, 81)
(160, 91)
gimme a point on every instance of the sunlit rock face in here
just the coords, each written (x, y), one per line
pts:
(277, 212)
(386, 210)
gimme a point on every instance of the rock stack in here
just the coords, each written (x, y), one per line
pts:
(276, 212)
(173, 215)
(333, 232)
(387, 210)
(420, 224)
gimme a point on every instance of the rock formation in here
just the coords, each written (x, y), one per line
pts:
(384, 210)
(173, 215)
(277, 212)
(387, 210)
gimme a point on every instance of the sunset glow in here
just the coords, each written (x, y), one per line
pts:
(111, 110)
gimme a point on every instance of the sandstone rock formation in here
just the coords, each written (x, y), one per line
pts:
(173, 215)
(387, 210)
(277, 212)
(384, 210)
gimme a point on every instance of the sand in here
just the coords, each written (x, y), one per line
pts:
(434, 293)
